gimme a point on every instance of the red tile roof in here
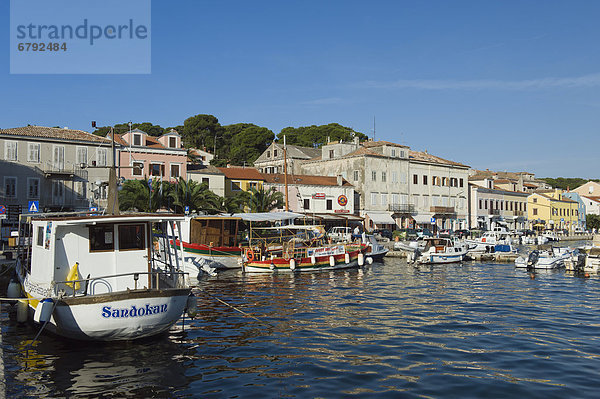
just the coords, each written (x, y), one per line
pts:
(54, 133)
(241, 173)
(425, 157)
(309, 180)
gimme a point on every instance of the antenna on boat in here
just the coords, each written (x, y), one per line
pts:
(287, 208)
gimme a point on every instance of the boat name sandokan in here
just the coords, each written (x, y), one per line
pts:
(109, 311)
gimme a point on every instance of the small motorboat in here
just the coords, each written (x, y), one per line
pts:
(374, 249)
(552, 258)
(440, 250)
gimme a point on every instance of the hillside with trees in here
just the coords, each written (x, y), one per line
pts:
(239, 143)
(566, 183)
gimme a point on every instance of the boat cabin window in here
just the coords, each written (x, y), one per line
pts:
(40, 236)
(131, 237)
(101, 238)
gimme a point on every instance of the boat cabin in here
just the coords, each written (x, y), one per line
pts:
(113, 253)
(213, 231)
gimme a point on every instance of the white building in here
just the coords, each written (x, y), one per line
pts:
(490, 207)
(271, 160)
(592, 205)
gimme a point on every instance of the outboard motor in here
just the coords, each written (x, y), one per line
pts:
(533, 258)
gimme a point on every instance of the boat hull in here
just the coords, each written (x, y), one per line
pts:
(441, 258)
(304, 264)
(219, 258)
(116, 316)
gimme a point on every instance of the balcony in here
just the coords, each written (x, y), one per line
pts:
(63, 171)
(442, 210)
(518, 213)
(401, 208)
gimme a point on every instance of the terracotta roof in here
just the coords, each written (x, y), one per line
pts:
(529, 185)
(204, 169)
(150, 141)
(241, 173)
(309, 180)
(54, 133)
(553, 199)
(503, 181)
(368, 144)
(593, 198)
(425, 157)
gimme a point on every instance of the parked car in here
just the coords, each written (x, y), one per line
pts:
(382, 234)
(424, 233)
(340, 234)
(406, 234)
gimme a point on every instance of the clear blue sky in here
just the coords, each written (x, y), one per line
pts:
(504, 85)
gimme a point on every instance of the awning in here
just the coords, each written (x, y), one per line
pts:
(381, 217)
(422, 219)
(267, 216)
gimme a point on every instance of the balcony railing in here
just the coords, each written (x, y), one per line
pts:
(401, 208)
(518, 213)
(442, 210)
(52, 170)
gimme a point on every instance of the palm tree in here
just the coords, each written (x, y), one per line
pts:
(133, 196)
(262, 200)
(197, 196)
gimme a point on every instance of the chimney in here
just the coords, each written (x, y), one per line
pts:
(340, 180)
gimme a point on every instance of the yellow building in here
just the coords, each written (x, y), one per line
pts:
(239, 178)
(546, 209)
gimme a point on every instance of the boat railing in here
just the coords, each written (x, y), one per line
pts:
(159, 280)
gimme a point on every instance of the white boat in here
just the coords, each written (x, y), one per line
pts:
(592, 259)
(552, 258)
(441, 250)
(374, 249)
(550, 235)
(497, 240)
(98, 277)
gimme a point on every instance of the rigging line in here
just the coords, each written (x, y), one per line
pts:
(237, 309)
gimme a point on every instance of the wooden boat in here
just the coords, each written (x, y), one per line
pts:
(441, 250)
(297, 248)
(98, 278)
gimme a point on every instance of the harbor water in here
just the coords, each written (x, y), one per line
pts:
(385, 330)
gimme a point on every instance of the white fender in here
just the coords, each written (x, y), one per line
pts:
(313, 259)
(361, 259)
(369, 260)
(331, 261)
(13, 290)
(347, 258)
(43, 310)
(192, 306)
(22, 307)
(292, 264)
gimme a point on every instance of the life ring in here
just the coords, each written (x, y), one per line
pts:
(249, 254)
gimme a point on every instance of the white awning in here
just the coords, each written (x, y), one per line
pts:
(381, 217)
(267, 216)
(422, 219)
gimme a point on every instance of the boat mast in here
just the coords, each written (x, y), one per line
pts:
(113, 198)
(287, 208)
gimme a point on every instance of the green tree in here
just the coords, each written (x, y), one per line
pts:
(248, 142)
(201, 131)
(133, 196)
(235, 203)
(263, 200)
(309, 136)
(592, 222)
(197, 196)
(121, 128)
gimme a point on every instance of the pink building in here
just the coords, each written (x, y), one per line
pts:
(157, 157)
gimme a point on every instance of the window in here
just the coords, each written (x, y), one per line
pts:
(356, 175)
(415, 179)
(173, 142)
(425, 201)
(10, 150)
(401, 154)
(424, 180)
(329, 205)
(274, 153)
(373, 198)
(395, 199)
(40, 236)
(384, 198)
(331, 153)
(10, 187)
(58, 157)
(33, 152)
(480, 204)
(80, 188)
(383, 176)
(82, 155)
(460, 182)
(268, 154)
(101, 238)
(394, 177)
(206, 181)
(236, 186)
(174, 170)
(131, 237)
(374, 176)
(33, 188)
(486, 204)
(535, 200)
(156, 169)
(393, 153)
(253, 185)
(306, 203)
(138, 168)
(137, 139)
(101, 157)
(534, 211)
(444, 181)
